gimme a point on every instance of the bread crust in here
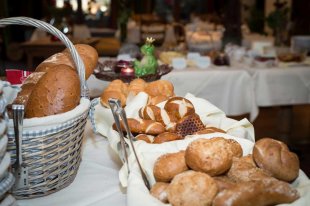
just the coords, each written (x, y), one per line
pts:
(57, 91)
(275, 157)
(192, 188)
(169, 165)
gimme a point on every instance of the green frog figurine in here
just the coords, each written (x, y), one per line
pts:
(148, 64)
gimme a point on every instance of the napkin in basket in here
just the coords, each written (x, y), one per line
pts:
(209, 114)
(138, 195)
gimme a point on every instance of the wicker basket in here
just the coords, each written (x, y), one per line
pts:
(51, 154)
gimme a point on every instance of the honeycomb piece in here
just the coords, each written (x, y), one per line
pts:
(189, 125)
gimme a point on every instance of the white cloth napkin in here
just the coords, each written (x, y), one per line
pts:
(42, 123)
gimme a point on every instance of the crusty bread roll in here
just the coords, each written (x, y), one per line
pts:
(57, 91)
(136, 86)
(212, 156)
(169, 165)
(106, 95)
(118, 85)
(87, 53)
(275, 157)
(189, 124)
(150, 112)
(157, 99)
(160, 87)
(145, 137)
(157, 114)
(117, 89)
(192, 188)
(235, 148)
(139, 126)
(256, 193)
(159, 190)
(223, 182)
(179, 107)
(209, 130)
(166, 137)
(243, 169)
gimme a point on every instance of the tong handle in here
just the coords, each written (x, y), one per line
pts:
(121, 112)
(18, 116)
(114, 105)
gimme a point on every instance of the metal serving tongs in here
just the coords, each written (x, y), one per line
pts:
(119, 113)
(20, 168)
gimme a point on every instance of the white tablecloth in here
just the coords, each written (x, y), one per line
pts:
(282, 86)
(237, 91)
(229, 89)
(96, 183)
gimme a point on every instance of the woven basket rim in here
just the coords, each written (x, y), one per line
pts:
(54, 120)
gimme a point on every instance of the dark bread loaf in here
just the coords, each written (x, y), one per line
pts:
(27, 87)
(87, 53)
(57, 91)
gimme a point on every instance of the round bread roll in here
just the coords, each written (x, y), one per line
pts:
(192, 188)
(275, 157)
(166, 137)
(56, 92)
(212, 156)
(160, 87)
(179, 107)
(169, 165)
(136, 86)
(159, 190)
(106, 95)
(235, 148)
(118, 85)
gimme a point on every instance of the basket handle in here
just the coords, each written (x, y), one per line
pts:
(26, 21)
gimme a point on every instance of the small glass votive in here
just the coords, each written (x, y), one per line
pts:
(127, 72)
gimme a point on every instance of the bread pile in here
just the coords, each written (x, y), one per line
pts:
(214, 172)
(54, 87)
(174, 121)
(158, 91)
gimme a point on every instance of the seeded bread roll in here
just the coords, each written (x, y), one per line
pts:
(275, 157)
(57, 91)
(212, 156)
(87, 53)
(169, 165)
(192, 188)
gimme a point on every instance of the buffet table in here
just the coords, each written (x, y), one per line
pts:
(281, 86)
(237, 91)
(229, 89)
(96, 182)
